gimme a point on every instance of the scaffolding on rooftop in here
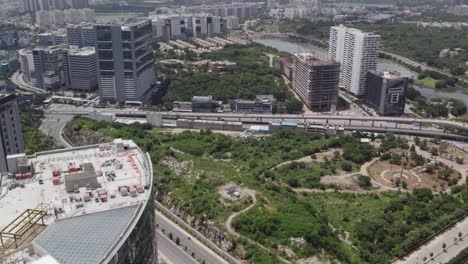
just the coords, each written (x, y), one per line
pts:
(22, 227)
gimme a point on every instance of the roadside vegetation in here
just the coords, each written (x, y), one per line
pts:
(34, 139)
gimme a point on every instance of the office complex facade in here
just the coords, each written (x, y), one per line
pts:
(316, 81)
(386, 93)
(125, 61)
(258, 106)
(10, 132)
(81, 35)
(202, 104)
(48, 67)
(185, 27)
(358, 53)
(55, 67)
(80, 69)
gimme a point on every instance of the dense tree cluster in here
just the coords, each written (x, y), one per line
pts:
(249, 78)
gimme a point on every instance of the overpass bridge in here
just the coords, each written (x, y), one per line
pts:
(399, 125)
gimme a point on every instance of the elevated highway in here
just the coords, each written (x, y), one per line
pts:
(400, 125)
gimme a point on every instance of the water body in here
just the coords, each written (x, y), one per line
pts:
(295, 47)
(109, 17)
(383, 65)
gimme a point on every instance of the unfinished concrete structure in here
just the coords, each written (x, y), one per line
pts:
(316, 81)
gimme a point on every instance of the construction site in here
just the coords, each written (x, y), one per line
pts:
(90, 204)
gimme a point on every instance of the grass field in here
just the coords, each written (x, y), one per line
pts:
(427, 82)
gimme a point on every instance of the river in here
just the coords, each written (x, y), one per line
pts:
(383, 65)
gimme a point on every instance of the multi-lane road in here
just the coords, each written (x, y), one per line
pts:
(455, 240)
(53, 126)
(194, 246)
(17, 79)
(170, 253)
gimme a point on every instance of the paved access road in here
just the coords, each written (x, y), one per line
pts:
(53, 126)
(170, 253)
(194, 245)
(17, 79)
(434, 246)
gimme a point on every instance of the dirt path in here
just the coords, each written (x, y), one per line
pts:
(307, 159)
(461, 168)
(343, 179)
(231, 230)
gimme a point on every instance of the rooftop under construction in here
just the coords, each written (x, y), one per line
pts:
(49, 199)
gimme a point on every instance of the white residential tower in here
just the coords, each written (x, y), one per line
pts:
(358, 53)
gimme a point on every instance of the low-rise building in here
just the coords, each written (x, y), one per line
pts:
(245, 106)
(202, 104)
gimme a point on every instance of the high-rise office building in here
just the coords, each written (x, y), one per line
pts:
(48, 67)
(80, 69)
(10, 129)
(81, 35)
(316, 81)
(386, 93)
(358, 53)
(79, 4)
(27, 64)
(125, 61)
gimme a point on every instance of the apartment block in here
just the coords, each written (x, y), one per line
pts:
(358, 53)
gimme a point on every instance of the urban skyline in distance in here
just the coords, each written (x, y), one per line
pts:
(214, 132)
